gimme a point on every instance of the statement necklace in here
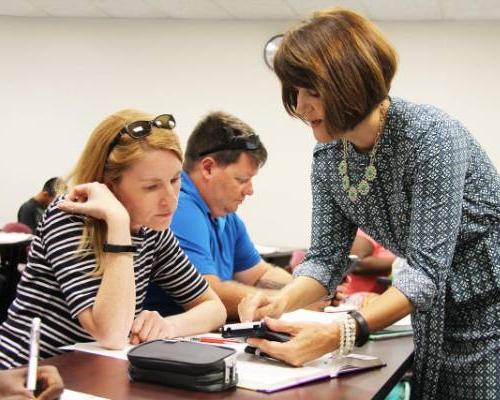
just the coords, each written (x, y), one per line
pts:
(364, 186)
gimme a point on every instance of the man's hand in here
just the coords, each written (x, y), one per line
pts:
(310, 341)
(341, 292)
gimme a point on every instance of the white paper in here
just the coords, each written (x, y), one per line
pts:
(342, 308)
(267, 375)
(72, 395)
(302, 315)
(94, 348)
(406, 321)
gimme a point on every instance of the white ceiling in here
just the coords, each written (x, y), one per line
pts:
(252, 9)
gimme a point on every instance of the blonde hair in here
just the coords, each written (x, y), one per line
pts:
(98, 164)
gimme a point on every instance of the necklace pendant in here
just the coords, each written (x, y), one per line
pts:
(342, 167)
(370, 173)
(363, 187)
(353, 194)
(345, 183)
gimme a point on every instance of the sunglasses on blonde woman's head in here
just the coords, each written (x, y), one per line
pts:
(141, 129)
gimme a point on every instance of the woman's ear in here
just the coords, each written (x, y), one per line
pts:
(112, 184)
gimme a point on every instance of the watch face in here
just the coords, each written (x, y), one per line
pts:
(270, 49)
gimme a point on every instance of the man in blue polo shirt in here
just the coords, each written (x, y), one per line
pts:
(223, 155)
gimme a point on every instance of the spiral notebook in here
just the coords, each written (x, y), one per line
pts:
(268, 375)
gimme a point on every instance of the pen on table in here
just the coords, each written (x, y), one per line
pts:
(208, 339)
(34, 350)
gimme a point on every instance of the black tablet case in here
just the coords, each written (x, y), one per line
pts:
(184, 364)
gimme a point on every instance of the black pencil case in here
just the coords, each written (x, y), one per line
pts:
(184, 364)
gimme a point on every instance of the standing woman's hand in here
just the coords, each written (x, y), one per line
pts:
(310, 341)
(95, 200)
(256, 306)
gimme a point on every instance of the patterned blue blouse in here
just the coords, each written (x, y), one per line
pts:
(436, 202)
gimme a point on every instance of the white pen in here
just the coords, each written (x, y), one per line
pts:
(34, 349)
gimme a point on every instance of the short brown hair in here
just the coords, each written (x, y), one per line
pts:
(344, 58)
(216, 129)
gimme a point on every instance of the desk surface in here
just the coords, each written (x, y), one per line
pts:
(107, 377)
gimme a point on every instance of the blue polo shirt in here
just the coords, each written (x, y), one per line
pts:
(216, 246)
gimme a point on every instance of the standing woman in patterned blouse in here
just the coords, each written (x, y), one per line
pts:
(98, 247)
(415, 180)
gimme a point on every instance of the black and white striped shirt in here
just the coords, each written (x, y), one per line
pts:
(56, 284)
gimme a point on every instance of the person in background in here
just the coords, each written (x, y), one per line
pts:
(31, 212)
(373, 261)
(413, 178)
(223, 155)
(13, 384)
(97, 248)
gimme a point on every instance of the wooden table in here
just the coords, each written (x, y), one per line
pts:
(108, 377)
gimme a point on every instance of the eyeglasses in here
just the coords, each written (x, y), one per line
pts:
(141, 129)
(250, 142)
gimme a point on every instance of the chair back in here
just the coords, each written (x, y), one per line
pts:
(18, 227)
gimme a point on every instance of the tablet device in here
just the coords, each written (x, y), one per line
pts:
(253, 329)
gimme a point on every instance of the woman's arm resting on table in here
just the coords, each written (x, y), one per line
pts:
(204, 314)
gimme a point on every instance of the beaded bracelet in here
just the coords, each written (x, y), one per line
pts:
(347, 336)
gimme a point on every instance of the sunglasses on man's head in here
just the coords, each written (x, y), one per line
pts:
(141, 129)
(250, 142)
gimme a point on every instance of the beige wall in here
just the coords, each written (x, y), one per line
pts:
(60, 77)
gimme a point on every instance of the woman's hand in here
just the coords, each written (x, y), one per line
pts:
(95, 200)
(12, 383)
(256, 306)
(310, 341)
(49, 383)
(150, 325)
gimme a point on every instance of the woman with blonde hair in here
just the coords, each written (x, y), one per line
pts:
(415, 180)
(98, 247)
